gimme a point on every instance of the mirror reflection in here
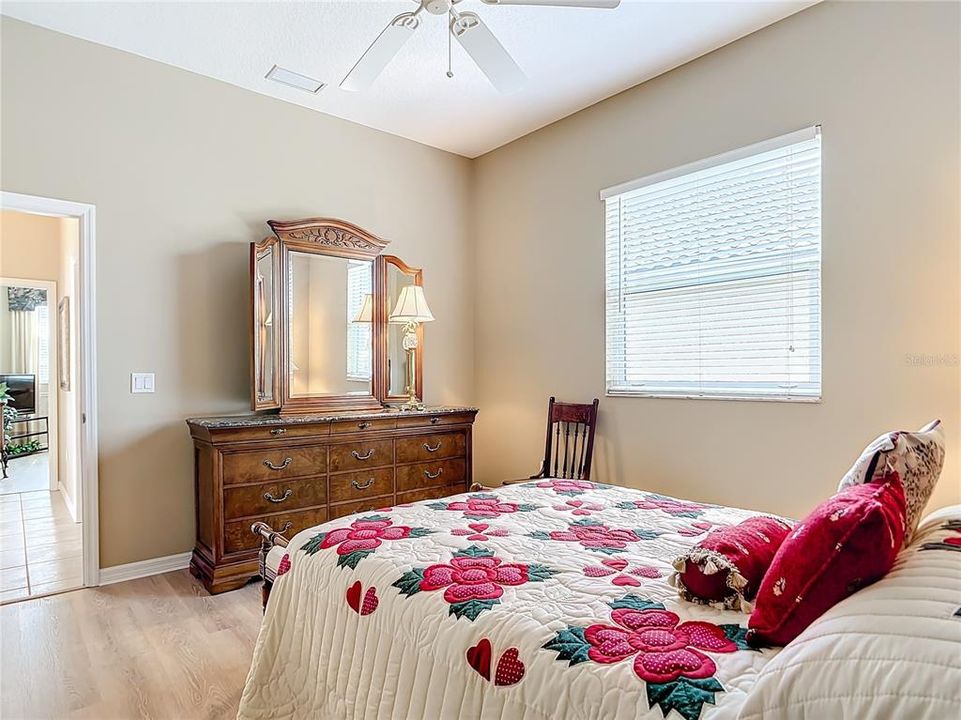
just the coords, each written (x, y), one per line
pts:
(264, 314)
(397, 371)
(329, 325)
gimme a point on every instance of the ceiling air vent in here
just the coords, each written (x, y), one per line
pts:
(295, 80)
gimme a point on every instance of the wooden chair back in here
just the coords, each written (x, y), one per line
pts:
(569, 447)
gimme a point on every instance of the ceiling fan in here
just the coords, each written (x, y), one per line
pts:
(467, 28)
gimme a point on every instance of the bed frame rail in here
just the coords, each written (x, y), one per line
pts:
(269, 539)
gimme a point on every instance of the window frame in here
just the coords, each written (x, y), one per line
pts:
(755, 391)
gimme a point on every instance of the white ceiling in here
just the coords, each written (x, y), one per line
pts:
(573, 57)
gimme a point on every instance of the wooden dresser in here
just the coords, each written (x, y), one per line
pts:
(293, 472)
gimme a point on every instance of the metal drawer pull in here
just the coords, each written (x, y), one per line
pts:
(363, 425)
(287, 493)
(434, 420)
(358, 456)
(278, 431)
(286, 527)
(282, 465)
(436, 447)
(362, 486)
(433, 476)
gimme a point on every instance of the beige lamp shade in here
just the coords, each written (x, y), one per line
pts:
(366, 313)
(411, 306)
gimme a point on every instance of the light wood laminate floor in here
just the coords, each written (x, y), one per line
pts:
(159, 647)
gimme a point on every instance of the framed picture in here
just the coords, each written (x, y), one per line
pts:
(63, 338)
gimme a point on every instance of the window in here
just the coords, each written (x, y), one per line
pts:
(714, 276)
(43, 342)
(359, 343)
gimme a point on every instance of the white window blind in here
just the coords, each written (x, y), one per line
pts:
(43, 342)
(359, 342)
(714, 276)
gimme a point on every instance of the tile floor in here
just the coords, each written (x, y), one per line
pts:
(40, 546)
(26, 474)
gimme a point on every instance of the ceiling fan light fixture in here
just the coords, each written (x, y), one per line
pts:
(294, 80)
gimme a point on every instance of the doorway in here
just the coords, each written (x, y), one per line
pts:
(48, 543)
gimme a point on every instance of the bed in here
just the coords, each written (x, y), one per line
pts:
(543, 600)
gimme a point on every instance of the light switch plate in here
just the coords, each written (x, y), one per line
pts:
(141, 382)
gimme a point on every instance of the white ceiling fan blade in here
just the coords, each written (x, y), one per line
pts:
(485, 50)
(381, 52)
(559, 3)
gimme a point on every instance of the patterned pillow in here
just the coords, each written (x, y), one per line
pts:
(725, 569)
(917, 457)
(849, 541)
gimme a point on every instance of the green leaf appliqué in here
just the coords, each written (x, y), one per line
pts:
(351, 559)
(538, 573)
(419, 532)
(313, 545)
(685, 695)
(570, 645)
(471, 608)
(539, 535)
(474, 551)
(737, 635)
(409, 583)
(635, 602)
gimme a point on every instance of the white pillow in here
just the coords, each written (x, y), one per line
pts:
(891, 650)
(916, 456)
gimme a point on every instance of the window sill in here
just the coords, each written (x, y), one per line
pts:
(800, 399)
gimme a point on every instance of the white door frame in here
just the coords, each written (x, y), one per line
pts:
(87, 357)
(53, 385)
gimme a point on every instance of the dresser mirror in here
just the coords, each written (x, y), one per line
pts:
(316, 317)
(264, 270)
(397, 275)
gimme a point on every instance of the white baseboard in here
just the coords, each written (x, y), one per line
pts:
(68, 501)
(144, 568)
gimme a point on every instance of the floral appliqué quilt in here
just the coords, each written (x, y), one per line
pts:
(542, 600)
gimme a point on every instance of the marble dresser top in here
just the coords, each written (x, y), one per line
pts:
(270, 420)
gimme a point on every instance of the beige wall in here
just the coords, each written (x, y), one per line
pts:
(184, 171)
(29, 246)
(883, 80)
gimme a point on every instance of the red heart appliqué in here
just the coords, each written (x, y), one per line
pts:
(353, 597)
(616, 563)
(284, 565)
(479, 658)
(625, 581)
(510, 669)
(370, 601)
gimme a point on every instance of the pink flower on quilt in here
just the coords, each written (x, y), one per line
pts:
(569, 487)
(621, 573)
(595, 536)
(362, 538)
(696, 528)
(669, 505)
(667, 654)
(663, 650)
(579, 507)
(483, 507)
(473, 580)
(479, 531)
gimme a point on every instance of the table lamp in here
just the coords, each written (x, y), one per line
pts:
(411, 310)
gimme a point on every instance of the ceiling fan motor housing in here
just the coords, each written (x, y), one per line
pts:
(437, 7)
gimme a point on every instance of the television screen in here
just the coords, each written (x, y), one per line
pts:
(23, 389)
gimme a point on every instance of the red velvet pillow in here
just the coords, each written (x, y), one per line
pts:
(849, 541)
(726, 568)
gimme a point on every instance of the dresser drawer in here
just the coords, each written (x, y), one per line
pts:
(360, 506)
(423, 475)
(361, 484)
(260, 465)
(417, 421)
(287, 432)
(431, 447)
(237, 535)
(428, 494)
(339, 427)
(274, 497)
(361, 454)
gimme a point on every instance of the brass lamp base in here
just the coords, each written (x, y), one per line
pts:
(410, 345)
